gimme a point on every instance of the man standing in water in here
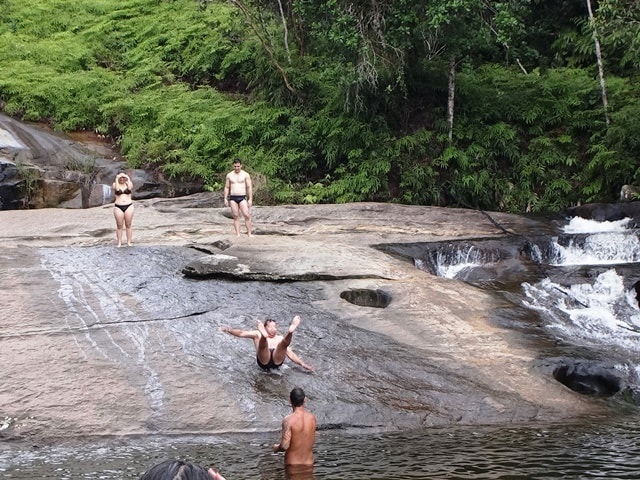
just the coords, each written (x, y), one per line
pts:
(298, 433)
(271, 348)
(238, 194)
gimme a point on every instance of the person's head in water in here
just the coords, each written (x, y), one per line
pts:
(180, 470)
(271, 327)
(297, 397)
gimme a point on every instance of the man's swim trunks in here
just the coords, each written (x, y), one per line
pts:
(237, 198)
(271, 365)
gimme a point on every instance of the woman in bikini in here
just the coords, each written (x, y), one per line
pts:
(123, 207)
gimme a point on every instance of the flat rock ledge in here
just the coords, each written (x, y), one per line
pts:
(493, 375)
(273, 264)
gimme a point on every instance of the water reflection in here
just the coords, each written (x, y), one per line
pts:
(593, 451)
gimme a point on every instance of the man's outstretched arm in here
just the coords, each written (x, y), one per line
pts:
(296, 359)
(238, 332)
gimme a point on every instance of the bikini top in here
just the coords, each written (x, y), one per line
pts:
(126, 191)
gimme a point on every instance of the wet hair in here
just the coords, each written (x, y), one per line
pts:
(297, 397)
(269, 320)
(176, 470)
(237, 160)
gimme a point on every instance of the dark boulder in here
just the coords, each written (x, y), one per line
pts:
(609, 212)
(588, 379)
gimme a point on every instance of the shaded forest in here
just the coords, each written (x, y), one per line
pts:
(510, 105)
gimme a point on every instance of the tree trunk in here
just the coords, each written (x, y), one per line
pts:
(451, 96)
(286, 30)
(265, 44)
(603, 86)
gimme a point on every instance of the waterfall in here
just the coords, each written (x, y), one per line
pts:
(583, 225)
(603, 315)
(600, 310)
(584, 291)
(596, 243)
(107, 193)
(453, 260)
(598, 249)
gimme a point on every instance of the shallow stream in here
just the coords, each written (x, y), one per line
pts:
(590, 451)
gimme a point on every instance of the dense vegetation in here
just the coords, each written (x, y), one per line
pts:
(491, 104)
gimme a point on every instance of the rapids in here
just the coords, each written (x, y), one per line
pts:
(584, 288)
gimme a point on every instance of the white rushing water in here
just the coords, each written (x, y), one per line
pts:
(600, 312)
(600, 249)
(583, 225)
(451, 265)
(588, 297)
(598, 243)
(107, 193)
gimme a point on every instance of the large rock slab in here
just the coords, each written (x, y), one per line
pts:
(270, 262)
(73, 331)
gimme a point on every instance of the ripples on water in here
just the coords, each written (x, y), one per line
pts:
(595, 451)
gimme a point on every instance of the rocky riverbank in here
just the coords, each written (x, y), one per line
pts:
(483, 374)
(41, 168)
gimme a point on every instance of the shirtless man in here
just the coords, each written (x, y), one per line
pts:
(298, 432)
(238, 193)
(271, 348)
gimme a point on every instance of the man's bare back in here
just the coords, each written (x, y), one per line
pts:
(298, 432)
(302, 425)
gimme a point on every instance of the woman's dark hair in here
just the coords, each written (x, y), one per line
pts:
(176, 470)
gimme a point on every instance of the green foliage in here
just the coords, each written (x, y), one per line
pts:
(618, 22)
(88, 167)
(349, 102)
(524, 151)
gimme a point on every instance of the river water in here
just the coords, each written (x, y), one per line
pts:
(591, 451)
(589, 306)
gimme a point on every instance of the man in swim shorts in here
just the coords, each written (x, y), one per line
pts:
(238, 194)
(271, 348)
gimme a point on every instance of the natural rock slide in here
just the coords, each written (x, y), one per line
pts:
(111, 341)
(99, 340)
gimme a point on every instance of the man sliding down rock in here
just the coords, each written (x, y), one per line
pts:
(271, 348)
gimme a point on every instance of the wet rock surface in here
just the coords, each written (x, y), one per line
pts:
(588, 379)
(105, 341)
(608, 212)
